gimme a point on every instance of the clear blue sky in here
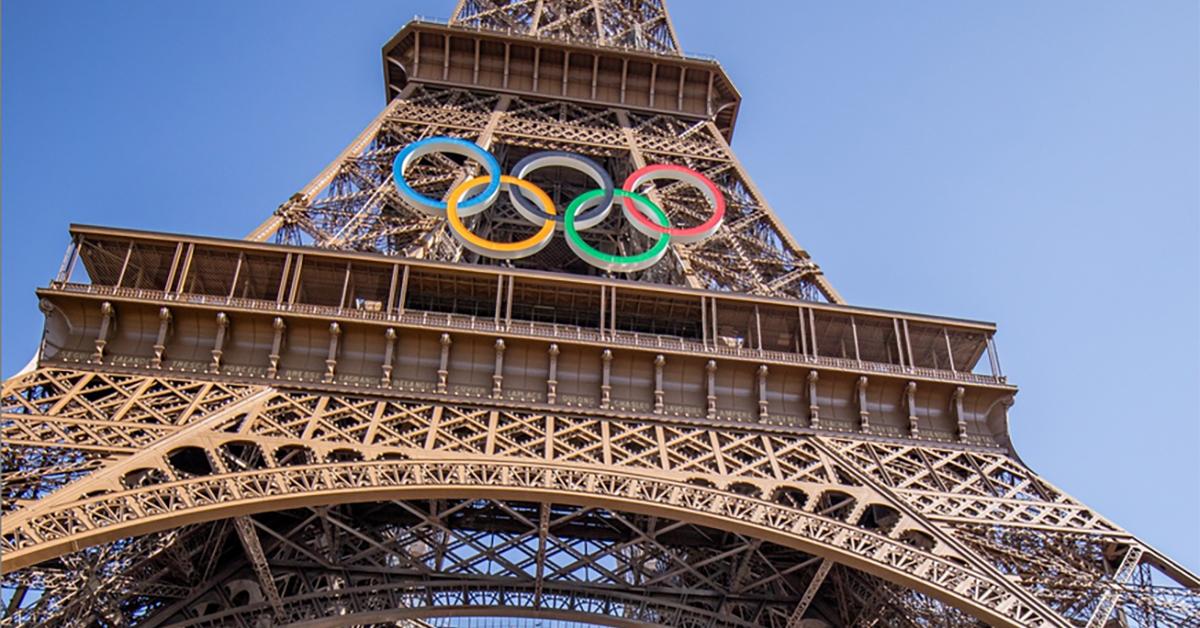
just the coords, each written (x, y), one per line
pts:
(1027, 162)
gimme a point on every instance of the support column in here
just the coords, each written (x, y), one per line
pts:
(763, 371)
(814, 409)
(758, 341)
(443, 372)
(910, 399)
(552, 380)
(218, 349)
(912, 361)
(108, 313)
(639, 161)
(994, 359)
(403, 297)
(864, 415)
(498, 373)
(68, 263)
(335, 331)
(957, 401)
(436, 237)
(606, 357)
(899, 345)
(949, 350)
(603, 311)
(659, 361)
(854, 336)
(810, 593)
(160, 342)
(276, 346)
(389, 351)
(711, 398)
(803, 342)
(258, 561)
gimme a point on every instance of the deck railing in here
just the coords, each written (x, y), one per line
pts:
(548, 331)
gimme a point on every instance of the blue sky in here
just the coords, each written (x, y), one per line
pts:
(1026, 162)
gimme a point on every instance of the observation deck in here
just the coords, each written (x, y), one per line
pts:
(313, 318)
(578, 70)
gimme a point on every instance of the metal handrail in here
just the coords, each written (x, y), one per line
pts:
(554, 331)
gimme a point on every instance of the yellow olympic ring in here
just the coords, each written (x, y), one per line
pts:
(491, 248)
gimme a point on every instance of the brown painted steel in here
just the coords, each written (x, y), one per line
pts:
(347, 418)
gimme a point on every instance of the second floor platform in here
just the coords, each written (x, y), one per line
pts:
(307, 316)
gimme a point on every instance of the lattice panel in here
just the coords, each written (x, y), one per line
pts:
(831, 491)
(640, 25)
(358, 208)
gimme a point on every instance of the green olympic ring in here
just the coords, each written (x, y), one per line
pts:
(609, 261)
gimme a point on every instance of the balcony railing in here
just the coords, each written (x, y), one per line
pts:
(547, 331)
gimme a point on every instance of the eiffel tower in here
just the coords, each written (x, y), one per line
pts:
(356, 417)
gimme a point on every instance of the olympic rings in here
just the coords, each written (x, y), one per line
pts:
(544, 159)
(608, 261)
(456, 146)
(535, 205)
(677, 173)
(491, 248)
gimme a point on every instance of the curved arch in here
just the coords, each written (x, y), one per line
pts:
(387, 603)
(148, 509)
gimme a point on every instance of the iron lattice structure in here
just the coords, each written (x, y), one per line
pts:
(349, 419)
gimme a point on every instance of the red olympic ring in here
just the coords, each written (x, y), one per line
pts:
(678, 173)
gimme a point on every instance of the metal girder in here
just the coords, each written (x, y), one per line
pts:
(855, 510)
(357, 208)
(124, 479)
(640, 25)
(258, 560)
(810, 594)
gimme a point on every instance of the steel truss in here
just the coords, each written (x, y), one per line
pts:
(353, 204)
(642, 25)
(141, 490)
(535, 493)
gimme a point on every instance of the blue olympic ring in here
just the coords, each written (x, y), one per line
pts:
(435, 207)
